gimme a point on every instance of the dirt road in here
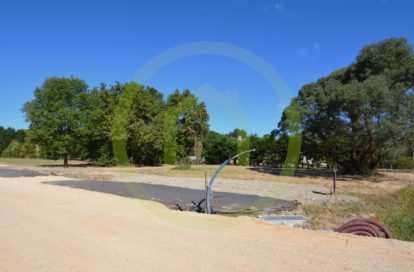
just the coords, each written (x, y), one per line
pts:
(52, 228)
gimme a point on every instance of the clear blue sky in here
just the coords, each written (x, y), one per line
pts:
(105, 41)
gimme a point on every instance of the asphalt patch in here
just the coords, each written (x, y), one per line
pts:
(14, 173)
(183, 198)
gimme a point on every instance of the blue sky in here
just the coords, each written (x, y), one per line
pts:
(105, 41)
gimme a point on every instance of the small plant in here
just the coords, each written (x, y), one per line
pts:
(105, 161)
(185, 164)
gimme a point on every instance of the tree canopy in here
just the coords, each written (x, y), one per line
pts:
(358, 115)
(57, 115)
(69, 120)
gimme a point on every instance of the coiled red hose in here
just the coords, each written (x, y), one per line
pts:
(365, 227)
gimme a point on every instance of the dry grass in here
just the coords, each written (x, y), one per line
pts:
(37, 162)
(382, 182)
(395, 210)
(325, 216)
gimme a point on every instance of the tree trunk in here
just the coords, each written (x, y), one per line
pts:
(65, 160)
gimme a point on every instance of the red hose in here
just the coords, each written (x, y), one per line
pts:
(365, 227)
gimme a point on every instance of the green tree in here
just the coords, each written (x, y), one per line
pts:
(257, 157)
(218, 147)
(243, 144)
(145, 125)
(9, 134)
(29, 149)
(359, 114)
(191, 124)
(56, 117)
(13, 150)
(101, 104)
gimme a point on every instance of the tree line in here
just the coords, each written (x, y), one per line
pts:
(69, 120)
(357, 118)
(11, 142)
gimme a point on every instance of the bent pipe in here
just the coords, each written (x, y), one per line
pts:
(209, 210)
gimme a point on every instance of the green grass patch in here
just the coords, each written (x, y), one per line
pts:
(397, 212)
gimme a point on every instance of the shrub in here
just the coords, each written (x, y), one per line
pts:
(13, 150)
(185, 164)
(404, 163)
(105, 160)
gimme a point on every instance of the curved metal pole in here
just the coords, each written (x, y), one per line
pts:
(210, 184)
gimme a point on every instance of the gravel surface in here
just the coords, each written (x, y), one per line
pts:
(304, 193)
(53, 228)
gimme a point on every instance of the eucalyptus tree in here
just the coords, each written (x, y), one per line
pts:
(358, 115)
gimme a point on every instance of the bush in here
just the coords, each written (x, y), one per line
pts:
(29, 149)
(185, 164)
(13, 150)
(404, 163)
(105, 160)
(397, 212)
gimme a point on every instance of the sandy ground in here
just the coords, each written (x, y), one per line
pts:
(51, 228)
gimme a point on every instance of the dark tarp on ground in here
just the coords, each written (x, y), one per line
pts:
(173, 197)
(14, 173)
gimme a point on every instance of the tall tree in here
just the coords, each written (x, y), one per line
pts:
(145, 125)
(56, 117)
(101, 104)
(191, 123)
(359, 114)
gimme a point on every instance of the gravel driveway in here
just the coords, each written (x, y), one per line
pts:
(304, 193)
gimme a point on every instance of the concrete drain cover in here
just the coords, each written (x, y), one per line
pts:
(290, 220)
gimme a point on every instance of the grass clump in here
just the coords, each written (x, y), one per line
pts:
(397, 212)
(324, 216)
(185, 164)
